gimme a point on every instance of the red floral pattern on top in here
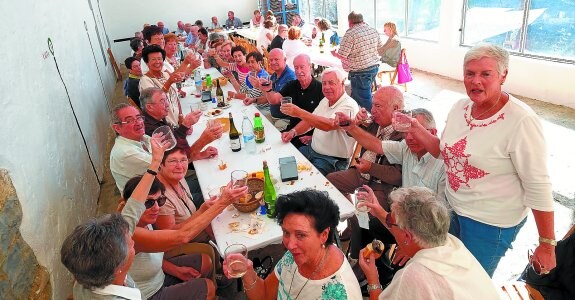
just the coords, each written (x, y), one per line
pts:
(469, 119)
(459, 171)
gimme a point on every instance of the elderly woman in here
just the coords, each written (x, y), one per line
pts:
(154, 57)
(100, 252)
(137, 45)
(294, 46)
(312, 267)
(495, 159)
(257, 20)
(181, 277)
(171, 48)
(239, 66)
(441, 267)
(391, 50)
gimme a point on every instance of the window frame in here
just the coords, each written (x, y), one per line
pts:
(520, 52)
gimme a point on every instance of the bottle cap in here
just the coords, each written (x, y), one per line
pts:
(257, 114)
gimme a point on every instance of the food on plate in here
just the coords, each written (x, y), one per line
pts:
(258, 174)
(376, 247)
(253, 231)
(214, 112)
(234, 225)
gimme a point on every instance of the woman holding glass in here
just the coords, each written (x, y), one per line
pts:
(495, 158)
(312, 267)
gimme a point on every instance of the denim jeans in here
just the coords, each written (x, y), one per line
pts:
(324, 163)
(361, 83)
(486, 242)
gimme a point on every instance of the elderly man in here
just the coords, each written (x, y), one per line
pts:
(214, 24)
(202, 41)
(181, 28)
(359, 57)
(130, 155)
(305, 92)
(232, 21)
(165, 30)
(330, 147)
(280, 77)
(192, 36)
(133, 81)
(279, 39)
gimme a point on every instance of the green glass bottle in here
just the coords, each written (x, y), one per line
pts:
(259, 129)
(269, 192)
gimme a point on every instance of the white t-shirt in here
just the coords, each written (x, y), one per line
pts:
(447, 272)
(129, 159)
(293, 48)
(497, 167)
(340, 285)
(263, 39)
(334, 142)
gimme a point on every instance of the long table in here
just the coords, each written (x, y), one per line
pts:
(210, 176)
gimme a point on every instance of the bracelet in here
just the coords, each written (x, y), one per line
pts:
(252, 285)
(551, 242)
(373, 287)
(152, 172)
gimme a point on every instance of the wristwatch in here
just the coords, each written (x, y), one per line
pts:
(551, 242)
(373, 287)
(152, 172)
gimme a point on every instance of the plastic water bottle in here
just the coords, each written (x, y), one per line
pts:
(198, 83)
(249, 136)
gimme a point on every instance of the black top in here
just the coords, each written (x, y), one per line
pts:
(307, 99)
(133, 91)
(151, 124)
(277, 42)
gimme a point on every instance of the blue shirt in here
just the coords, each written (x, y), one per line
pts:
(191, 39)
(278, 84)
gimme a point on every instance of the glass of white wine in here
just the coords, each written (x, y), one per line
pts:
(236, 256)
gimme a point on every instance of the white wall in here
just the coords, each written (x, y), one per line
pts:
(533, 78)
(40, 143)
(125, 17)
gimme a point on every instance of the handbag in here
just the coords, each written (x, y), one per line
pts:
(403, 72)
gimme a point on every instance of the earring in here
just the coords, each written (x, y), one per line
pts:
(323, 246)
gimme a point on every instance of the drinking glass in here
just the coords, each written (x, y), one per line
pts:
(215, 192)
(286, 100)
(168, 136)
(236, 259)
(361, 196)
(402, 120)
(266, 80)
(345, 122)
(195, 106)
(239, 178)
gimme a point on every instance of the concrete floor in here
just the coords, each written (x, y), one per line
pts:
(437, 94)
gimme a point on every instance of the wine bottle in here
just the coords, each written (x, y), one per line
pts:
(220, 94)
(235, 143)
(259, 129)
(269, 192)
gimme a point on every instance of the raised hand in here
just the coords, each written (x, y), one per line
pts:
(371, 202)
(231, 194)
(290, 109)
(159, 146)
(363, 165)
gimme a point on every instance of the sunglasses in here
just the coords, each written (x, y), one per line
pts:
(150, 202)
(389, 222)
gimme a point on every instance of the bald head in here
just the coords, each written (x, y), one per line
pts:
(386, 100)
(277, 60)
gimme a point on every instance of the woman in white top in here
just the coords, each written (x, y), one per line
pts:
(257, 20)
(265, 36)
(294, 46)
(495, 158)
(312, 267)
(441, 267)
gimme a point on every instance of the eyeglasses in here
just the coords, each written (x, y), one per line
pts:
(150, 202)
(535, 264)
(131, 120)
(389, 222)
(163, 102)
(174, 162)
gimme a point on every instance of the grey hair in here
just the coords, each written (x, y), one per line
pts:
(146, 96)
(116, 110)
(282, 52)
(94, 250)
(418, 211)
(355, 17)
(307, 58)
(338, 73)
(427, 116)
(482, 50)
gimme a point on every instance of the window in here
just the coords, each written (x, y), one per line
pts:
(310, 9)
(538, 28)
(413, 18)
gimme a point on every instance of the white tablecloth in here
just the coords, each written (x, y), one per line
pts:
(210, 176)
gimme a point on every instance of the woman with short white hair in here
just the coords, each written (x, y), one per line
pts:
(441, 267)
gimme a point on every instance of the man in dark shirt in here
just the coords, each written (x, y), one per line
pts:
(131, 86)
(305, 92)
(279, 39)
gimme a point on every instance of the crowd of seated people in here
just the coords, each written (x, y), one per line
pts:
(450, 202)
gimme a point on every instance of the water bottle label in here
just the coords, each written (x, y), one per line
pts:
(248, 138)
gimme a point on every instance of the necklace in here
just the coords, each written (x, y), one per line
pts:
(180, 197)
(471, 118)
(312, 274)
